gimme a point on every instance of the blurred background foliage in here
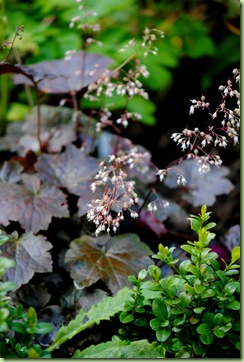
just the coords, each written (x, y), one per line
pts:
(201, 47)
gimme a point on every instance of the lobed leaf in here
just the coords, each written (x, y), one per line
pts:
(65, 75)
(111, 259)
(31, 254)
(31, 204)
(72, 169)
(202, 189)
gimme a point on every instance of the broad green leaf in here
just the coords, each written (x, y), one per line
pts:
(145, 108)
(111, 259)
(122, 349)
(31, 254)
(103, 310)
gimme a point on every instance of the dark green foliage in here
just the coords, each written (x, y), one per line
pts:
(194, 311)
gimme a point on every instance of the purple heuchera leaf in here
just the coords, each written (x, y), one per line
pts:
(66, 75)
(149, 221)
(232, 238)
(31, 204)
(31, 255)
(111, 259)
(72, 169)
(201, 188)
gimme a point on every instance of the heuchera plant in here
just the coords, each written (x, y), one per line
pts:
(66, 194)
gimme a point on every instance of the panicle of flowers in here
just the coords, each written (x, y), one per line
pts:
(84, 23)
(156, 204)
(231, 117)
(198, 104)
(123, 120)
(148, 40)
(196, 141)
(205, 162)
(161, 174)
(118, 196)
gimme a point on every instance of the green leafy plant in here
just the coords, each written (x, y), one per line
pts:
(193, 312)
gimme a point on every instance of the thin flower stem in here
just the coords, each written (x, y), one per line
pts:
(38, 105)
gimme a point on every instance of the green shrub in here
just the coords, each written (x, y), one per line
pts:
(194, 312)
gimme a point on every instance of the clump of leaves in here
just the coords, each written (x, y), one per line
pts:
(18, 328)
(193, 312)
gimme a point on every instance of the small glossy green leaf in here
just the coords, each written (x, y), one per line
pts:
(183, 267)
(230, 288)
(176, 346)
(235, 305)
(218, 319)
(207, 338)
(199, 289)
(163, 334)
(142, 274)
(184, 352)
(232, 272)
(215, 264)
(194, 270)
(155, 324)
(154, 272)
(235, 254)
(126, 317)
(185, 299)
(208, 319)
(199, 310)
(208, 293)
(203, 329)
(133, 280)
(159, 309)
(141, 322)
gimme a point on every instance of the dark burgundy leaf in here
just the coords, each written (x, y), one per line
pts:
(30, 75)
(31, 204)
(201, 188)
(67, 75)
(149, 221)
(71, 169)
(10, 171)
(111, 259)
(31, 255)
(232, 238)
